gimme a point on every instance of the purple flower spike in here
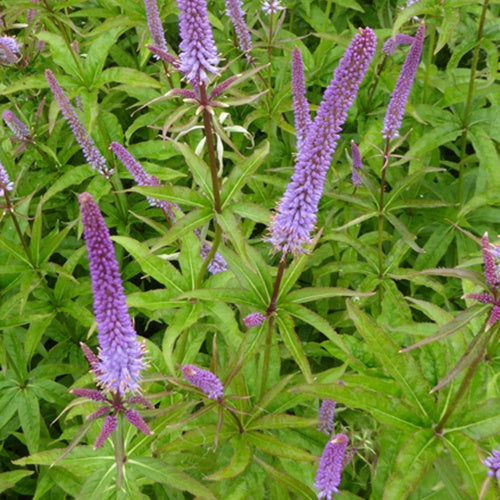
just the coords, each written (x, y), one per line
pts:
(137, 421)
(329, 473)
(300, 103)
(493, 464)
(198, 51)
(490, 268)
(326, 415)
(89, 394)
(272, 6)
(357, 164)
(10, 49)
(396, 108)
(121, 355)
(154, 25)
(204, 380)
(90, 151)
(5, 183)
(296, 212)
(164, 56)
(16, 125)
(235, 12)
(392, 44)
(254, 319)
(143, 179)
(108, 427)
(218, 264)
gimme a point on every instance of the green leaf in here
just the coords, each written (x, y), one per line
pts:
(481, 422)
(199, 169)
(160, 269)
(228, 295)
(450, 18)
(301, 489)
(488, 178)
(413, 460)
(403, 368)
(35, 333)
(190, 259)
(241, 173)
(277, 448)
(14, 249)
(293, 344)
(16, 356)
(239, 461)
(252, 211)
(408, 238)
(71, 177)
(8, 403)
(62, 54)
(281, 421)
(384, 408)
(9, 479)
(129, 76)
(36, 235)
(229, 225)
(162, 472)
(175, 194)
(29, 416)
(309, 294)
(153, 300)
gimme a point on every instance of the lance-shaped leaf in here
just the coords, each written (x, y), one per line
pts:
(239, 461)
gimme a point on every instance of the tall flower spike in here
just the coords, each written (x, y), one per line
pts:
(490, 268)
(300, 104)
(16, 125)
(395, 110)
(108, 427)
(357, 164)
(205, 380)
(121, 355)
(235, 12)
(326, 415)
(155, 26)
(92, 155)
(5, 183)
(142, 178)
(329, 472)
(296, 212)
(198, 51)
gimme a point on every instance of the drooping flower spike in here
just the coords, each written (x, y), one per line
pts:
(296, 212)
(198, 51)
(330, 468)
(121, 355)
(205, 380)
(17, 127)
(235, 12)
(92, 155)
(300, 104)
(395, 110)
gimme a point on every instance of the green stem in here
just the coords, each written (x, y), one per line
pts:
(468, 104)
(376, 80)
(119, 446)
(267, 355)
(279, 276)
(327, 14)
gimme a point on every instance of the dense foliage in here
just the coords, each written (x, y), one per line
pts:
(386, 313)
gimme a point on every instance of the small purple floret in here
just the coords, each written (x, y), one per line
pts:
(5, 183)
(205, 380)
(395, 110)
(493, 464)
(329, 472)
(121, 355)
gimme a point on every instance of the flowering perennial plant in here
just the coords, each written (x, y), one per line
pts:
(395, 110)
(205, 380)
(92, 155)
(121, 355)
(296, 212)
(198, 51)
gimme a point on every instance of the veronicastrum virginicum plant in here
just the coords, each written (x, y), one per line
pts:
(243, 345)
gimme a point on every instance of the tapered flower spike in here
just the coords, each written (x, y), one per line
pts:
(10, 50)
(205, 380)
(296, 212)
(300, 103)
(392, 44)
(5, 182)
(395, 110)
(357, 164)
(235, 12)
(326, 415)
(155, 26)
(108, 427)
(490, 268)
(121, 356)
(143, 179)
(329, 473)
(16, 125)
(137, 421)
(198, 51)
(92, 155)
(493, 463)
